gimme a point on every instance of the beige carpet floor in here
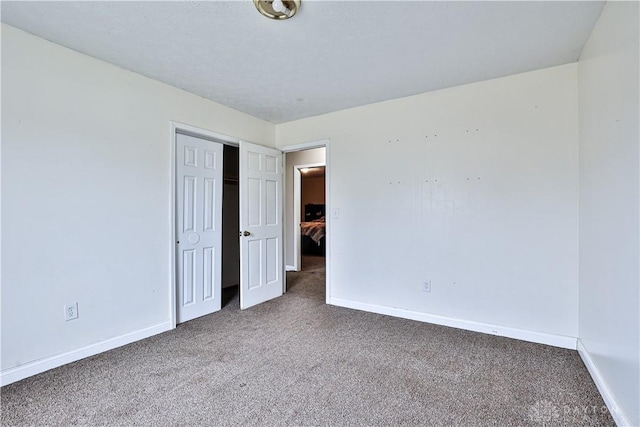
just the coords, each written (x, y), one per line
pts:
(296, 361)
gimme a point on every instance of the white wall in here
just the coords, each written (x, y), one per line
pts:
(609, 198)
(305, 157)
(473, 188)
(86, 196)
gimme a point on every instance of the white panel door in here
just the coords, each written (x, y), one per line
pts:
(199, 223)
(261, 263)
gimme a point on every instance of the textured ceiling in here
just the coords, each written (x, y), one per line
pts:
(330, 56)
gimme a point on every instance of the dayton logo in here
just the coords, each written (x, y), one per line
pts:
(543, 411)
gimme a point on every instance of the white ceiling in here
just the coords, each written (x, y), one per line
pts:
(330, 56)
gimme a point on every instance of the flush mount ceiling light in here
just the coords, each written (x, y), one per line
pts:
(277, 9)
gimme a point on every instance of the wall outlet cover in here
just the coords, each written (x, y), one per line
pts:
(426, 286)
(71, 311)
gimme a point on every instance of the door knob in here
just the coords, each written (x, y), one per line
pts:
(246, 233)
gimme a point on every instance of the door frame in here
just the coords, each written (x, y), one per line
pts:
(297, 201)
(175, 128)
(320, 143)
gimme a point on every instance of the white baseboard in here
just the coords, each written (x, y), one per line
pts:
(18, 373)
(615, 410)
(290, 268)
(487, 328)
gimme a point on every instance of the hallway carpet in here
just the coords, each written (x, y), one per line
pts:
(297, 361)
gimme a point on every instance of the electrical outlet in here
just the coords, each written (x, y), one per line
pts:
(71, 311)
(426, 286)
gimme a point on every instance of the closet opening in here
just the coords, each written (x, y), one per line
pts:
(228, 249)
(230, 226)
